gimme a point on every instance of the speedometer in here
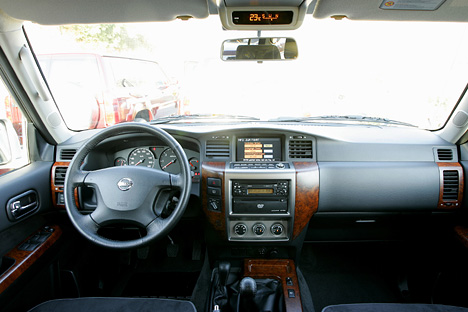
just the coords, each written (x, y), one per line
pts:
(141, 157)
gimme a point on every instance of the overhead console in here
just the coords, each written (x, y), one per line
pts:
(258, 194)
(265, 15)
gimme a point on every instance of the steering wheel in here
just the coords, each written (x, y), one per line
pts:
(127, 193)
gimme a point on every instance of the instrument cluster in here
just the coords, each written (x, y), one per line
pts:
(158, 157)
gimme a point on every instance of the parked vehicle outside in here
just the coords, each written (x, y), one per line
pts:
(125, 89)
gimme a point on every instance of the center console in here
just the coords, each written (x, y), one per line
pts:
(259, 191)
(259, 208)
(260, 194)
(258, 200)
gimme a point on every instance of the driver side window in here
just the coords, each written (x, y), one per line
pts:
(13, 142)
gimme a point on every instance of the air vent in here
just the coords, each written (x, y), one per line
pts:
(67, 154)
(217, 148)
(60, 175)
(300, 149)
(445, 154)
(451, 185)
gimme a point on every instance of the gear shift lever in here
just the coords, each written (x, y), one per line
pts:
(223, 272)
(247, 292)
(221, 296)
(248, 287)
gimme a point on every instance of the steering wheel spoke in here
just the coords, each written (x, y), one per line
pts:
(79, 177)
(177, 181)
(157, 226)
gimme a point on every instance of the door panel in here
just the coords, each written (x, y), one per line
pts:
(34, 177)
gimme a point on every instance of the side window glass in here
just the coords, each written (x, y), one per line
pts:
(13, 142)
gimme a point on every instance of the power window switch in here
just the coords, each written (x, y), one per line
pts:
(291, 293)
(289, 281)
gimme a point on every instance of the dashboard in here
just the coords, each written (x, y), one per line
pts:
(272, 183)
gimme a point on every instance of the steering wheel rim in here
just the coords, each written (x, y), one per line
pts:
(109, 181)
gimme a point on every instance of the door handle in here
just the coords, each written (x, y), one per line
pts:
(22, 205)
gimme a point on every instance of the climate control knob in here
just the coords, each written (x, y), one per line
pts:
(277, 229)
(258, 229)
(240, 229)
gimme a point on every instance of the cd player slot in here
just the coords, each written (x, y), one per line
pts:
(260, 206)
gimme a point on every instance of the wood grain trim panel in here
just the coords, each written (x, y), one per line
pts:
(59, 188)
(450, 204)
(278, 269)
(56, 188)
(462, 234)
(215, 218)
(307, 194)
(24, 259)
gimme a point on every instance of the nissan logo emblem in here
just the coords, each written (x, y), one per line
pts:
(125, 184)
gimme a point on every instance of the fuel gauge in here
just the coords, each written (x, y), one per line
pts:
(120, 161)
(194, 164)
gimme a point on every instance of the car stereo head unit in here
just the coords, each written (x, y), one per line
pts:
(258, 149)
(260, 197)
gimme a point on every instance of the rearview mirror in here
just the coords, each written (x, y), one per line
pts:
(259, 49)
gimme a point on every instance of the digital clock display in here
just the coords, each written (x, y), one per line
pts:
(262, 17)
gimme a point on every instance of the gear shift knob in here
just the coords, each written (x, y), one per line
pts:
(223, 272)
(248, 288)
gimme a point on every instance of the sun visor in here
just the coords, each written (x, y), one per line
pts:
(394, 10)
(55, 12)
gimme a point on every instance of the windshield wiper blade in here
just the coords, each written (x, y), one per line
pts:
(172, 118)
(358, 118)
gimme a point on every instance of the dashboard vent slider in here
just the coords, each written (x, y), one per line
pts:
(451, 185)
(444, 154)
(217, 148)
(60, 173)
(300, 149)
(67, 154)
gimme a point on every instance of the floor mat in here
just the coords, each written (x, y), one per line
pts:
(165, 284)
(339, 274)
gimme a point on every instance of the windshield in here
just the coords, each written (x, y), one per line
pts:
(403, 71)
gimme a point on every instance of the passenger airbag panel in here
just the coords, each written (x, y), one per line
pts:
(378, 186)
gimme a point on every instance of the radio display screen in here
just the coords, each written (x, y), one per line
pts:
(260, 191)
(258, 149)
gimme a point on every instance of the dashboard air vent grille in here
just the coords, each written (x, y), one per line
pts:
(445, 154)
(451, 185)
(60, 175)
(300, 149)
(218, 148)
(67, 154)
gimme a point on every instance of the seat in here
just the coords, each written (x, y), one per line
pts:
(393, 307)
(115, 305)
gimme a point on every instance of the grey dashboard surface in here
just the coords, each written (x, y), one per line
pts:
(378, 186)
(362, 168)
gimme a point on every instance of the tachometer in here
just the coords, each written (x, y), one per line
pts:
(141, 157)
(168, 161)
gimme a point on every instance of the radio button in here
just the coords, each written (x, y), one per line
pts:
(277, 229)
(259, 229)
(240, 229)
